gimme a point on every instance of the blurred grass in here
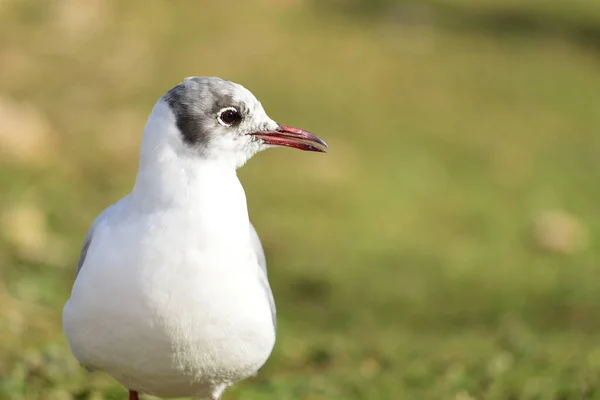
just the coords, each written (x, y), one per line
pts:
(445, 247)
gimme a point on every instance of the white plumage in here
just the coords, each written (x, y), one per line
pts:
(171, 296)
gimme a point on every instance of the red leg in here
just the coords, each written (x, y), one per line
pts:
(133, 395)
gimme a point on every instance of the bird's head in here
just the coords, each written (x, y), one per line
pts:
(212, 118)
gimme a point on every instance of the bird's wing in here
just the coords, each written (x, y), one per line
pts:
(84, 249)
(89, 236)
(262, 262)
(258, 249)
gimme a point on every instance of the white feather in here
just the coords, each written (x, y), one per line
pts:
(171, 299)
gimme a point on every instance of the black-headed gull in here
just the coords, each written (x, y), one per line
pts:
(171, 296)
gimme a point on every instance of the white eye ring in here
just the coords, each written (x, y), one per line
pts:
(228, 121)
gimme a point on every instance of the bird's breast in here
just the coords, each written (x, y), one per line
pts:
(174, 309)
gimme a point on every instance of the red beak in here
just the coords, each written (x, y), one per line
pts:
(292, 137)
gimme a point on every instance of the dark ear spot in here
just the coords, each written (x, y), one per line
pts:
(187, 117)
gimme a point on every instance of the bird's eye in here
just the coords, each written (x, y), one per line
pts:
(229, 116)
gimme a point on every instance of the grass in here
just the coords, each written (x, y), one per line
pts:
(405, 263)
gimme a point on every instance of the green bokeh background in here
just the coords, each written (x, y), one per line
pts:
(446, 246)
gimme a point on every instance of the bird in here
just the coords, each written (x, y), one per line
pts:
(171, 295)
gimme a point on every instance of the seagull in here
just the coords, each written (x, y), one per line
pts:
(171, 296)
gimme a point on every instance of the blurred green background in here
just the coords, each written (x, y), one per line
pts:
(446, 246)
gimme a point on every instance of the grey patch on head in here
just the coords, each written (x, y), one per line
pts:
(262, 262)
(196, 101)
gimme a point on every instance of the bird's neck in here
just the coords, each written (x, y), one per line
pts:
(206, 194)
